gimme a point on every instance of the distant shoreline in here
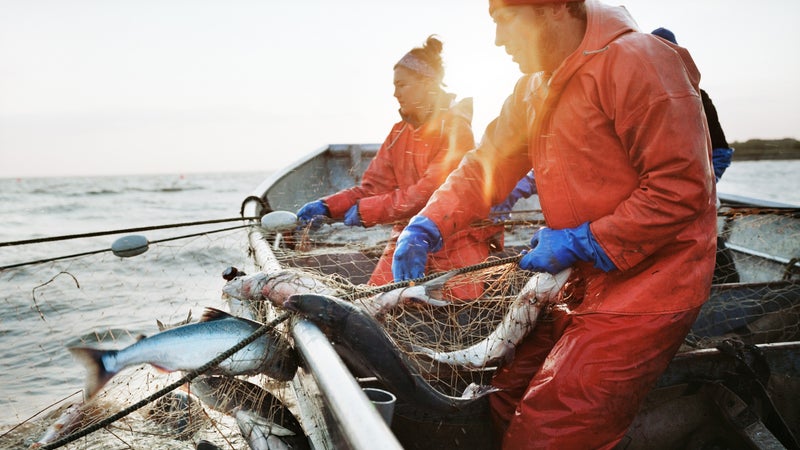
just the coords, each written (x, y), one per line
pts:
(764, 149)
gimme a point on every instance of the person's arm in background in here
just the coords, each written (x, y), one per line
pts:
(378, 176)
(525, 187)
(721, 153)
(404, 202)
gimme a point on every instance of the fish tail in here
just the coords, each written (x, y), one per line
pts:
(97, 375)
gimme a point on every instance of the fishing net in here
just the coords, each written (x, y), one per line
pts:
(755, 297)
(102, 300)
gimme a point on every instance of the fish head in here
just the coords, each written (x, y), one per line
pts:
(247, 287)
(320, 309)
(233, 288)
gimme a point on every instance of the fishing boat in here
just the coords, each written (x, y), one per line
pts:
(735, 383)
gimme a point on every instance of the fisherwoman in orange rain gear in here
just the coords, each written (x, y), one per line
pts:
(611, 121)
(420, 151)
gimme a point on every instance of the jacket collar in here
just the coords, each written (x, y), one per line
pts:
(444, 102)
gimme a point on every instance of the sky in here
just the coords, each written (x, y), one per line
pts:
(115, 87)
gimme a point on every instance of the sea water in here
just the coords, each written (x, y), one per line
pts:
(100, 297)
(47, 306)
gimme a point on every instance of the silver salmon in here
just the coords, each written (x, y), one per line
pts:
(518, 321)
(191, 346)
(278, 286)
(275, 286)
(261, 433)
(71, 418)
(265, 422)
(430, 293)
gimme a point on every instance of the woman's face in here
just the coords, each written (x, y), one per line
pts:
(413, 92)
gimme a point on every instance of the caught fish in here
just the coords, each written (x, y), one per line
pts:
(70, 419)
(430, 293)
(191, 346)
(261, 433)
(263, 419)
(518, 321)
(242, 308)
(363, 335)
(275, 286)
(278, 286)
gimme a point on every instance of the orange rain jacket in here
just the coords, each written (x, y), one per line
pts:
(617, 138)
(410, 165)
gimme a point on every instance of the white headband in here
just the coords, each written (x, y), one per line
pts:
(410, 61)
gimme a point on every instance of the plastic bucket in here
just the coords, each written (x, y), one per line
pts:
(384, 402)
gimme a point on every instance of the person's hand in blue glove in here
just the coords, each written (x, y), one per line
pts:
(352, 217)
(525, 187)
(313, 212)
(721, 159)
(419, 237)
(554, 250)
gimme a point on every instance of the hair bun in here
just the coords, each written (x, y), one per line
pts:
(433, 44)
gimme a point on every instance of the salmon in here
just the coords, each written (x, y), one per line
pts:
(191, 346)
(278, 286)
(265, 422)
(516, 324)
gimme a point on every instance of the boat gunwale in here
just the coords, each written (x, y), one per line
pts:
(361, 423)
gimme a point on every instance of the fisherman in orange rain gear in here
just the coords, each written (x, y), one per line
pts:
(416, 157)
(611, 121)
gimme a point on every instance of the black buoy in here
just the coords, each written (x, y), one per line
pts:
(128, 246)
(231, 273)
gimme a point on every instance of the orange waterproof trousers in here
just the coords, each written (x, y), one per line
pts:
(578, 380)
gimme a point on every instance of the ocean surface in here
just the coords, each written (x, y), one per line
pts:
(100, 297)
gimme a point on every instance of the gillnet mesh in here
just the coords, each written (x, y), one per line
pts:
(105, 301)
(110, 302)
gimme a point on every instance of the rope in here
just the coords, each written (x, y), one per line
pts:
(191, 375)
(406, 283)
(75, 255)
(124, 230)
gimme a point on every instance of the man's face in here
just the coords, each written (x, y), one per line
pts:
(528, 35)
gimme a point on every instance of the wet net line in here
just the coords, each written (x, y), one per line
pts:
(104, 250)
(120, 231)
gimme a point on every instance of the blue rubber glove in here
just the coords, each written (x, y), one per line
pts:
(525, 187)
(418, 238)
(721, 158)
(352, 218)
(554, 250)
(313, 212)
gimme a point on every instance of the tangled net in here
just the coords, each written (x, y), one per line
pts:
(107, 301)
